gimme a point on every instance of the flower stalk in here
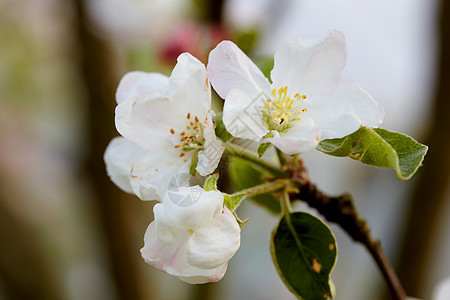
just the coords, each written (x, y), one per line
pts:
(237, 151)
(265, 188)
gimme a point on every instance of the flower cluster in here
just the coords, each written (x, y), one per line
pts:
(168, 136)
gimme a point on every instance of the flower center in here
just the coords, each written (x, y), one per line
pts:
(192, 137)
(281, 111)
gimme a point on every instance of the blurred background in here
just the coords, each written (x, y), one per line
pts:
(66, 232)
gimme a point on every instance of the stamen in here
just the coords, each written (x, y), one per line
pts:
(172, 131)
(282, 109)
(188, 115)
(182, 154)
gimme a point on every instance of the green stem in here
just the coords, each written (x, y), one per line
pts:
(265, 188)
(281, 157)
(285, 202)
(237, 151)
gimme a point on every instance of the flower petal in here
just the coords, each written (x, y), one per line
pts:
(209, 158)
(215, 243)
(304, 136)
(156, 173)
(173, 260)
(152, 83)
(307, 68)
(229, 68)
(242, 115)
(119, 157)
(344, 110)
(147, 121)
(189, 88)
(146, 117)
(183, 209)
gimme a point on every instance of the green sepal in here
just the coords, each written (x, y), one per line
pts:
(194, 162)
(220, 130)
(245, 175)
(211, 182)
(233, 201)
(241, 223)
(304, 252)
(262, 148)
(380, 148)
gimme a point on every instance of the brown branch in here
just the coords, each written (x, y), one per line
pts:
(342, 211)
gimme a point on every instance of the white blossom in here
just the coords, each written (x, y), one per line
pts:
(166, 123)
(192, 236)
(307, 101)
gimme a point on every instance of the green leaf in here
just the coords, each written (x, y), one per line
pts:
(220, 129)
(304, 252)
(211, 183)
(262, 148)
(379, 148)
(244, 175)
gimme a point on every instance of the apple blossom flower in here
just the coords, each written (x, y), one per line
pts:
(166, 124)
(306, 102)
(192, 236)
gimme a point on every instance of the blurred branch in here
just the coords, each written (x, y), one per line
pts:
(426, 212)
(96, 67)
(342, 211)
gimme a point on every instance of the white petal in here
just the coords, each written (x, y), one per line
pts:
(229, 68)
(344, 110)
(215, 242)
(155, 252)
(307, 68)
(147, 121)
(189, 88)
(242, 115)
(173, 260)
(119, 158)
(209, 158)
(154, 84)
(146, 118)
(185, 209)
(153, 174)
(304, 136)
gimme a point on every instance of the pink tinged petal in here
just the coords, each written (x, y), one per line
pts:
(179, 266)
(308, 68)
(209, 158)
(343, 110)
(304, 136)
(155, 252)
(189, 88)
(119, 158)
(229, 68)
(215, 242)
(153, 84)
(172, 259)
(242, 115)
